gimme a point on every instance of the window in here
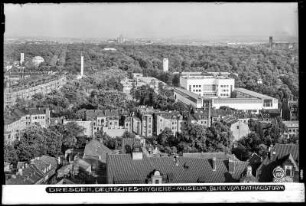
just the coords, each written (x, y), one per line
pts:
(288, 170)
(156, 181)
(237, 127)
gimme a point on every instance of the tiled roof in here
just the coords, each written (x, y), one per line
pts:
(200, 115)
(230, 120)
(82, 164)
(169, 114)
(93, 114)
(123, 169)
(30, 175)
(282, 153)
(221, 112)
(44, 161)
(281, 150)
(128, 141)
(210, 155)
(95, 148)
(291, 123)
(16, 114)
(65, 182)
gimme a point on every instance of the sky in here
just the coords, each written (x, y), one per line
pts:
(151, 20)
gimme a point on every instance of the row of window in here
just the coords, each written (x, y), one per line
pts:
(224, 85)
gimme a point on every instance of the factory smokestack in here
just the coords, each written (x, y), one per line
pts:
(82, 65)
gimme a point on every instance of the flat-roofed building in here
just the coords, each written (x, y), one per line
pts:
(244, 104)
(208, 85)
(267, 101)
(188, 97)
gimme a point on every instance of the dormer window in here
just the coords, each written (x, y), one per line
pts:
(288, 170)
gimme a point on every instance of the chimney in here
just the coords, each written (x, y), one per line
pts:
(249, 171)
(59, 160)
(214, 163)
(231, 166)
(176, 160)
(137, 153)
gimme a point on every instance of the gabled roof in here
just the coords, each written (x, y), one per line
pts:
(129, 141)
(123, 169)
(230, 120)
(94, 149)
(278, 155)
(281, 150)
(210, 155)
(93, 114)
(43, 162)
(169, 114)
(291, 123)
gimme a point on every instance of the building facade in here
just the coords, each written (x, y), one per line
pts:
(208, 86)
(18, 120)
(172, 120)
(12, 94)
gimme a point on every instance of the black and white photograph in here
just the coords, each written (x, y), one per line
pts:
(151, 102)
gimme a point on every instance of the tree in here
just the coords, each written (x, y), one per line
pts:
(176, 80)
(10, 154)
(164, 137)
(127, 134)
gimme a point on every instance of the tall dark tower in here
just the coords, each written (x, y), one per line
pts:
(271, 41)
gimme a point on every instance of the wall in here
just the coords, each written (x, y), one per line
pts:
(239, 130)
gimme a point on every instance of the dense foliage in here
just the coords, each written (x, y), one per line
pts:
(37, 141)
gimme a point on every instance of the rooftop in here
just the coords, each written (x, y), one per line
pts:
(252, 93)
(93, 114)
(94, 149)
(16, 114)
(291, 123)
(187, 94)
(122, 169)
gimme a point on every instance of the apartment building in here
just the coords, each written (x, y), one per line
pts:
(171, 119)
(103, 118)
(145, 115)
(11, 94)
(18, 120)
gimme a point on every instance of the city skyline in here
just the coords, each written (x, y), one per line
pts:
(203, 21)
